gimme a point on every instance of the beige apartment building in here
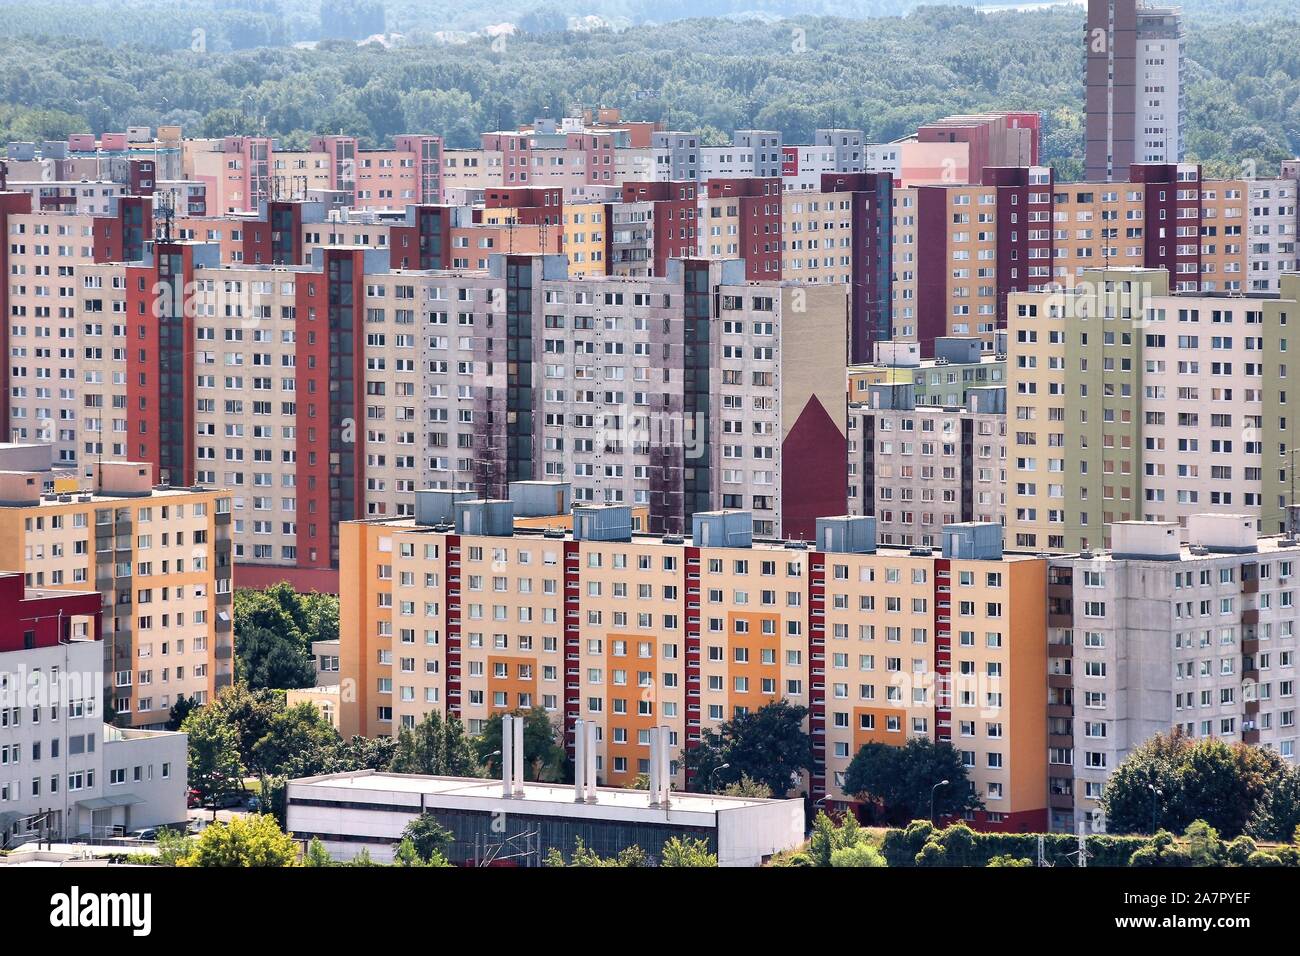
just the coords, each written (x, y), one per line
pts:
(1127, 403)
(817, 237)
(918, 468)
(45, 308)
(471, 169)
(159, 556)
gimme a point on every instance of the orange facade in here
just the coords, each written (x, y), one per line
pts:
(880, 647)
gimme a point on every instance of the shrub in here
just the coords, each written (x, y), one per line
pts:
(859, 855)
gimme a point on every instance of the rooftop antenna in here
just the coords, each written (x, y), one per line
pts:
(166, 214)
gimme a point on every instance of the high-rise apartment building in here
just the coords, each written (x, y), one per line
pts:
(918, 468)
(296, 382)
(1132, 86)
(959, 364)
(472, 617)
(1127, 403)
(1274, 220)
(1157, 635)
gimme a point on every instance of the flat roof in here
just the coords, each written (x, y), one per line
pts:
(485, 788)
(1265, 546)
(758, 545)
(101, 498)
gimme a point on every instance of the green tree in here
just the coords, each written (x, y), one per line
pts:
(1007, 859)
(1203, 846)
(274, 609)
(747, 786)
(899, 780)
(342, 756)
(291, 732)
(1162, 851)
(629, 856)
(406, 854)
(829, 838)
(316, 854)
(703, 765)
(1178, 780)
(254, 840)
(767, 745)
(180, 710)
(268, 660)
(1277, 816)
(173, 845)
(249, 713)
(362, 859)
(274, 631)
(857, 855)
(428, 838)
(685, 851)
(215, 768)
(436, 747)
(544, 754)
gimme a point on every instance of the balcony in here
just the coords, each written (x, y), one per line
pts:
(1249, 646)
(1250, 736)
(1250, 616)
(1060, 710)
(1060, 650)
(1061, 801)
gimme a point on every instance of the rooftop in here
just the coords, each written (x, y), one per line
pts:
(483, 788)
(758, 545)
(1271, 546)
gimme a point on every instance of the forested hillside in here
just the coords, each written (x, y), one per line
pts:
(885, 75)
(243, 24)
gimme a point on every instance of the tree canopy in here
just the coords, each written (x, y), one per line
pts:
(437, 747)
(274, 631)
(254, 840)
(768, 747)
(96, 70)
(900, 780)
(544, 754)
(1172, 780)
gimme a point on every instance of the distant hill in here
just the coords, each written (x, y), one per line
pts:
(219, 25)
(885, 76)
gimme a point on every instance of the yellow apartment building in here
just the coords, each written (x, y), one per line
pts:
(159, 556)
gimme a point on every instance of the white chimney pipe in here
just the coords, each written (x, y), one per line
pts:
(507, 756)
(591, 761)
(579, 761)
(665, 770)
(655, 787)
(519, 756)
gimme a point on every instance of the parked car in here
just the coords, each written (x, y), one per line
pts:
(234, 800)
(193, 799)
(147, 835)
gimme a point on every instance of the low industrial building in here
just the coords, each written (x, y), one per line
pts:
(500, 822)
